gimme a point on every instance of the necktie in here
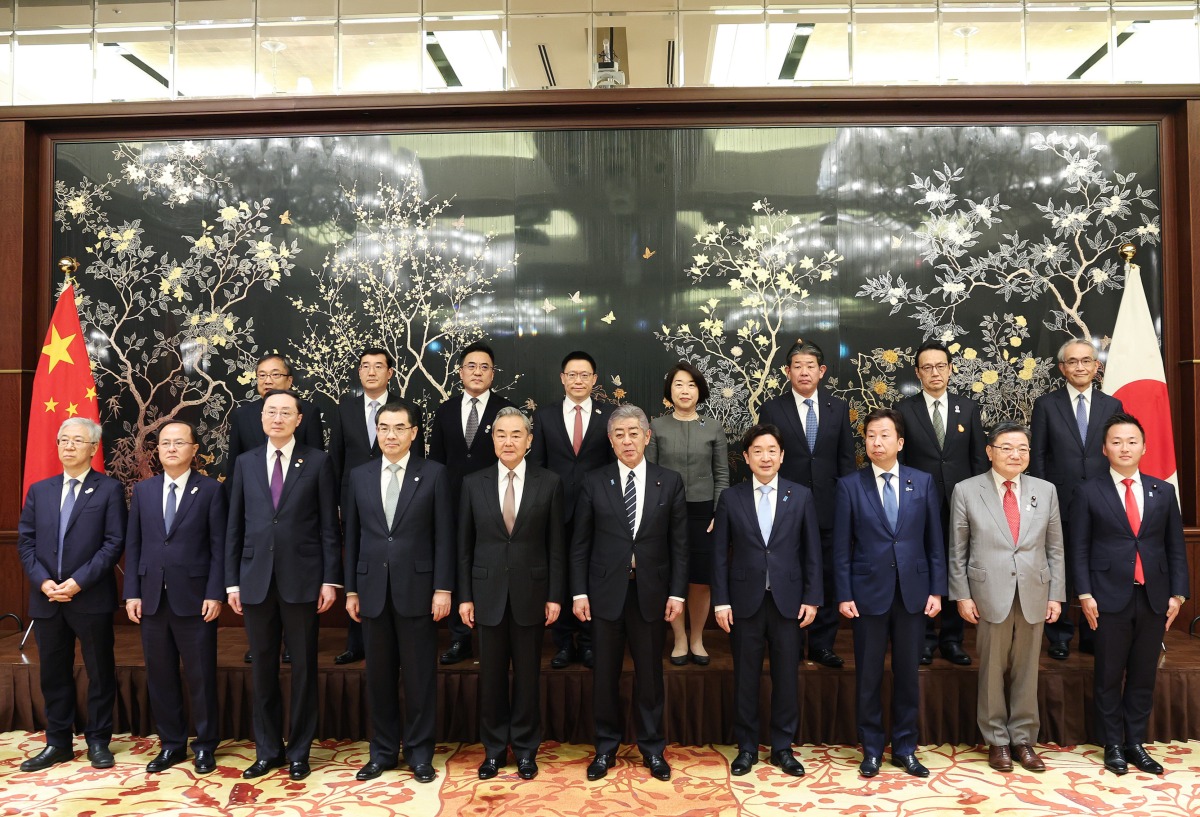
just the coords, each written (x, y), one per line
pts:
(631, 503)
(939, 427)
(765, 521)
(577, 433)
(509, 509)
(1135, 524)
(169, 514)
(277, 479)
(374, 407)
(392, 495)
(472, 422)
(64, 516)
(810, 425)
(891, 507)
(1081, 417)
(1011, 512)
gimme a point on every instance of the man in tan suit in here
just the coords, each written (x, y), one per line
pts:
(1008, 575)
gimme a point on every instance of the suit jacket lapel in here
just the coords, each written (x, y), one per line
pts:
(185, 502)
(533, 483)
(492, 480)
(650, 498)
(748, 500)
(294, 468)
(258, 472)
(783, 507)
(926, 424)
(1114, 498)
(1095, 420)
(873, 498)
(1067, 408)
(154, 487)
(616, 496)
(85, 492)
(991, 500)
(596, 428)
(791, 414)
(412, 479)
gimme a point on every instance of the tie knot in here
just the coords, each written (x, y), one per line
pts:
(72, 483)
(887, 477)
(629, 479)
(394, 467)
(373, 404)
(937, 404)
(766, 489)
(1082, 399)
(808, 402)
(578, 409)
(278, 453)
(474, 401)
(1008, 486)
(1128, 483)
(173, 487)
(511, 475)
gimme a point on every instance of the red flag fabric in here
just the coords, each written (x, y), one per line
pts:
(63, 387)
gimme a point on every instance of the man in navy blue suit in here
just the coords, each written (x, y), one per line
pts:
(1131, 571)
(174, 586)
(891, 574)
(767, 573)
(70, 535)
(820, 448)
(282, 569)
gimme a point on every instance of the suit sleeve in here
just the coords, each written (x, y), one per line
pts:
(556, 545)
(1039, 432)
(846, 464)
(27, 541)
(581, 541)
(978, 442)
(444, 542)
(537, 450)
(678, 543)
(312, 428)
(843, 535)
(351, 525)
(1081, 541)
(1054, 552)
(466, 543)
(236, 448)
(1177, 564)
(960, 547)
(337, 446)
(418, 446)
(133, 548)
(652, 445)
(935, 541)
(720, 542)
(720, 463)
(235, 530)
(331, 531)
(810, 542)
(437, 439)
(113, 541)
(218, 522)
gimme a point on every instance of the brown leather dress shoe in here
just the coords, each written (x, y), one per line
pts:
(1000, 759)
(1028, 758)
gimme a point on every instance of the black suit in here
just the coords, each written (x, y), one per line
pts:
(173, 573)
(552, 449)
(92, 545)
(510, 577)
(1059, 455)
(246, 432)
(448, 445)
(962, 456)
(625, 606)
(395, 571)
(279, 559)
(818, 471)
(743, 568)
(1131, 617)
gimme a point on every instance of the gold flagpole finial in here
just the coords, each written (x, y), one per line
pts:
(1127, 251)
(68, 265)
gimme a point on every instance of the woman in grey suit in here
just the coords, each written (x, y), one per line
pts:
(687, 442)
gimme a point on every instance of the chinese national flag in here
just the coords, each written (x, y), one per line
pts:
(63, 387)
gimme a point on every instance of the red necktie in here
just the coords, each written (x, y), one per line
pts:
(1135, 524)
(577, 436)
(1011, 512)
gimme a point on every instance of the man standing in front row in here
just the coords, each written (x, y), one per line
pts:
(629, 574)
(890, 576)
(399, 576)
(174, 586)
(1131, 571)
(1007, 574)
(766, 578)
(511, 579)
(282, 568)
(70, 535)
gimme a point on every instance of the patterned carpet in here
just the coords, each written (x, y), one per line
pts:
(961, 783)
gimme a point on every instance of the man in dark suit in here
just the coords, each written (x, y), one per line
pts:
(282, 568)
(174, 586)
(1131, 571)
(571, 439)
(891, 573)
(1067, 430)
(629, 574)
(945, 440)
(461, 440)
(820, 448)
(511, 579)
(400, 564)
(767, 572)
(70, 535)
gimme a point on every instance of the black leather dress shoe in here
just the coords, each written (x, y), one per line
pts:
(743, 763)
(262, 766)
(490, 767)
(955, 654)
(459, 651)
(1136, 754)
(563, 658)
(588, 657)
(680, 660)
(910, 764)
(248, 657)
(658, 767)
(869, 766)
(287, 656)
(527, 768)
(372, 770)
(166, 759)
(100, 755)
(787, 762)
(599, 766)
(50, 756)
(1059, 650)
(299, 769)
(424, 773)
(348, 657)
(204, 762)
(827, 658)
(926, 655)
(1114, 759)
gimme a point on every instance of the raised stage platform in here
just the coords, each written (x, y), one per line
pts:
(698, 699)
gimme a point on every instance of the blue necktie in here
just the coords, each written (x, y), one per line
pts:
(891, 508)
(169, 514)
(810, 425)
(764, 521)
(1081, 418)
(631, 504)
(64, 516)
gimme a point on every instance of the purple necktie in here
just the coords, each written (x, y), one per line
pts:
(277, 479)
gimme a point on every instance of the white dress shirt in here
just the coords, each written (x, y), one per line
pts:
(466, 409)
(368, 412)
(181, 482)
(62, 496)
(1087, 400)
(943, 405)
(895, 472)
(772, 501)
(802, 409)
(518, 483)
(1139, 495)
(1001, 490)
(569, 415)
(385, 476)
(287, 450)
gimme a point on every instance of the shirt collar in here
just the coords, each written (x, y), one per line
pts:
(758, 486)
(999, 479)
(639, 472)
(929, 398)
(287, 449)
(1118, 478)
(519, 470)
(483, 398)
(181, 480)
(569, 406)
(1087, 393)
(894, 471)
(382, 399)
(403, 461)
(81, 477)
(800, 398)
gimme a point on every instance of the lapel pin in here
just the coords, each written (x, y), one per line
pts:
(596, 411)
(960, 428)
(1033, 502)
(195, 488)
(488, 430)
(1150, 493)
(89, 490)
(956, 408)
(612, 482)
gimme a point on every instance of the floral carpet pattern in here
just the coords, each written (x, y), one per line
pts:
(960, 783)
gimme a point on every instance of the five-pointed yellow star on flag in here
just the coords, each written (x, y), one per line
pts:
(91, 393)
(52, 405)
(57, 348)
(72, 410)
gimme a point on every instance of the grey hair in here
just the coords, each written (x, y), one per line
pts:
(513, 411)
(628, 412)
(1008, 427)
(1062, 350)
(92, 428)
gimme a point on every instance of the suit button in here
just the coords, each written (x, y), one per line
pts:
(893, 564)
(274, 521)
(389, 538)
(385, 564)
(1012, 574)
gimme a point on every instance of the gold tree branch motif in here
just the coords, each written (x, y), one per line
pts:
(767, 274)
(872, 386)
